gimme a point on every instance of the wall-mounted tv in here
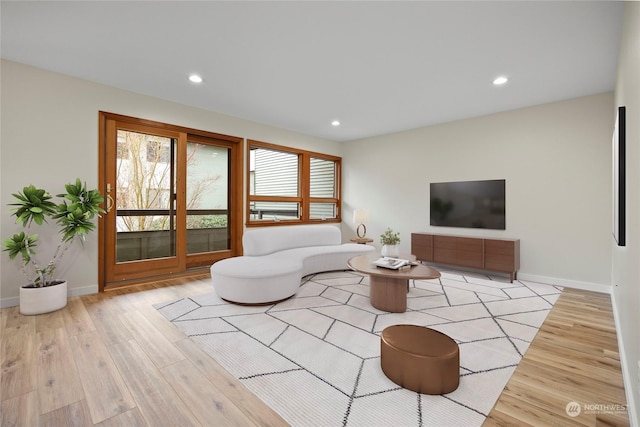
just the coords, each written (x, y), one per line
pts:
(468, 204)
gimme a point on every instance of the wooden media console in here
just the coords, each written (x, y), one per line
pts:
(497, 255)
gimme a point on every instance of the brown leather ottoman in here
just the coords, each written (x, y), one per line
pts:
(420, 359)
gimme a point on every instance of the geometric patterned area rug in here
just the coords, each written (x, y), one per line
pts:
(315, 358)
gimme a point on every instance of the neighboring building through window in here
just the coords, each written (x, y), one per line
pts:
(322, 189)
(290, 185)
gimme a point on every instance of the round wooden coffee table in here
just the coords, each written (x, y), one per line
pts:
(388, 288)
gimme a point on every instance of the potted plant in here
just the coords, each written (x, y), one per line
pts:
(390, 241)
(74, 218)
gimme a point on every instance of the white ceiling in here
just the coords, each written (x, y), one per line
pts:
(378, 67)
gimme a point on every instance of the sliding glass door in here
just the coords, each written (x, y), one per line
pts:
(169, 200)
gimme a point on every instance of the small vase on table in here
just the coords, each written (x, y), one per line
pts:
(390, 251)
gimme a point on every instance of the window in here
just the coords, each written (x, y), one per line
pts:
(322, 189)
(287, 185)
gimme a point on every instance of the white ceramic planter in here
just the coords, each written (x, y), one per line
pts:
(390, 250)
(43, 300)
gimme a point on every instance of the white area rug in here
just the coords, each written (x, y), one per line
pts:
(315, 358)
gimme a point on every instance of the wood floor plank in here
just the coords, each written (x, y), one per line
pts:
(195, 286)
(581, 338)
(105, 317)
(549, 380)
(159, 349)
(132, 417)
(515, 407)
(105, 391)
(48, 321)
(18, 361)
(161, 292)
(113, 300)
(182, 288)
(229, 386)
(73, 415)
(15, 320)
(58, 380)
(206, 402)
(164, 326)
(20, 411)
(76, 318)
(498, 418)
(575, 362)
(158, 402)
(551, 409)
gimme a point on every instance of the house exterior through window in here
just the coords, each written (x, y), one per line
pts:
(287, 185)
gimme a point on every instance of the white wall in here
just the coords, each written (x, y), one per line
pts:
(49, 136)
(626, 268)
(556, 159)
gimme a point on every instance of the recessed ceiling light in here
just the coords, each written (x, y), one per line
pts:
(194, 78)
(335, 123)
(500, 80)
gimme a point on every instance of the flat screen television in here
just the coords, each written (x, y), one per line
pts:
(468, 204)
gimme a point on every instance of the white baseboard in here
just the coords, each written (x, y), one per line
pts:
(627, 376)
(585, 286)
(9, 302)
(74, 292)
(85, 290)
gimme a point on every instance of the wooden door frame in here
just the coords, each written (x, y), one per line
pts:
(236, 186)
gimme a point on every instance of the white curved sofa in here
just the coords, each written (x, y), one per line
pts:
(277, 258)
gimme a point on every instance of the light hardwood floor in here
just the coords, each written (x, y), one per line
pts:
(573, 358)
(111, 360)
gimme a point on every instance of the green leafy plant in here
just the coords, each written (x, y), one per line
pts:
(73, 215)
(389, 237)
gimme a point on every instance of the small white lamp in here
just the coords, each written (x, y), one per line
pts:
(360, 216)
